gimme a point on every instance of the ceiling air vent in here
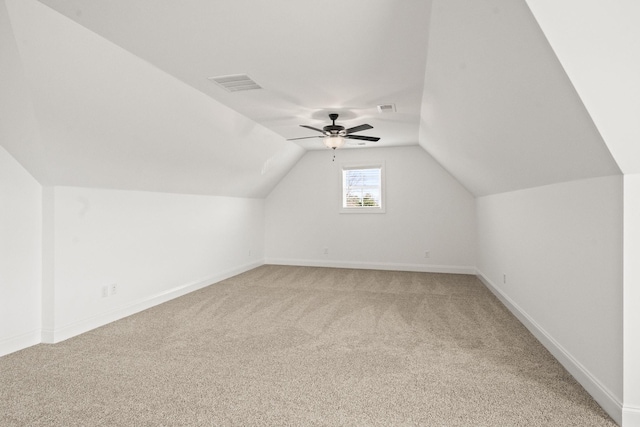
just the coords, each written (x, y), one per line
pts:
(387, 108)
(236, 82)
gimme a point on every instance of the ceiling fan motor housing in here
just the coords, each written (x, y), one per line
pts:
(334, 129)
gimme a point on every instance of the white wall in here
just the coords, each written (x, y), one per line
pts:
(20, 256)
(153, 246)
(631, 415)
(20, 205)
(560, 247)
(426, 209)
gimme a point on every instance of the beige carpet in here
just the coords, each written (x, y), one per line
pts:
(298, 346)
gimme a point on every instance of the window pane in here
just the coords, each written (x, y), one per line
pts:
(361, 188)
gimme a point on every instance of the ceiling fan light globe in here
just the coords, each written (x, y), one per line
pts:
(333, 141)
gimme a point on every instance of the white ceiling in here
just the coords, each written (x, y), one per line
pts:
(311, 57)
(499, 111)
(599, 48)
(119, 92)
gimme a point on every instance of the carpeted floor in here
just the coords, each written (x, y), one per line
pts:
(298, 346)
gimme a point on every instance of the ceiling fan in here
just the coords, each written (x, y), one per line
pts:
(335, 135)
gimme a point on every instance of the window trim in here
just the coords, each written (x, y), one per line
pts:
(364, 209)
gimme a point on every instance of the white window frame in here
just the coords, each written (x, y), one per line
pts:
(363, 209)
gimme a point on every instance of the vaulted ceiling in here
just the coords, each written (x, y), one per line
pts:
(499, 111)
(115, 94)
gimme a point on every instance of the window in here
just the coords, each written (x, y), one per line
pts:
(362, 189)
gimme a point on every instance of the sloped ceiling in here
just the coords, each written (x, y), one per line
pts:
(310, 57)
(19, 130)
(109, 119)
(119, 94)
(599, 48)
(498, 111)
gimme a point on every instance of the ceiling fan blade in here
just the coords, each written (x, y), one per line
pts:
(363, 138)
(358, 128)
(304, 137)
(312, 128)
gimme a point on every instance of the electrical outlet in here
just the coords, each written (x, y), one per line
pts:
(504, 278)
(105, 291)
(427, 254)
(113, 289)
(326, 251)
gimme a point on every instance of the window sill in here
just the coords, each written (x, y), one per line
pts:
(362, 210)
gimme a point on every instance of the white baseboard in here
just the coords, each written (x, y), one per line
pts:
(19, 342)
(423, 268)
(76, 328)
(605, 398)
(630, 416)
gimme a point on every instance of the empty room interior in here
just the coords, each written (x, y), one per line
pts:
(177, 212)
